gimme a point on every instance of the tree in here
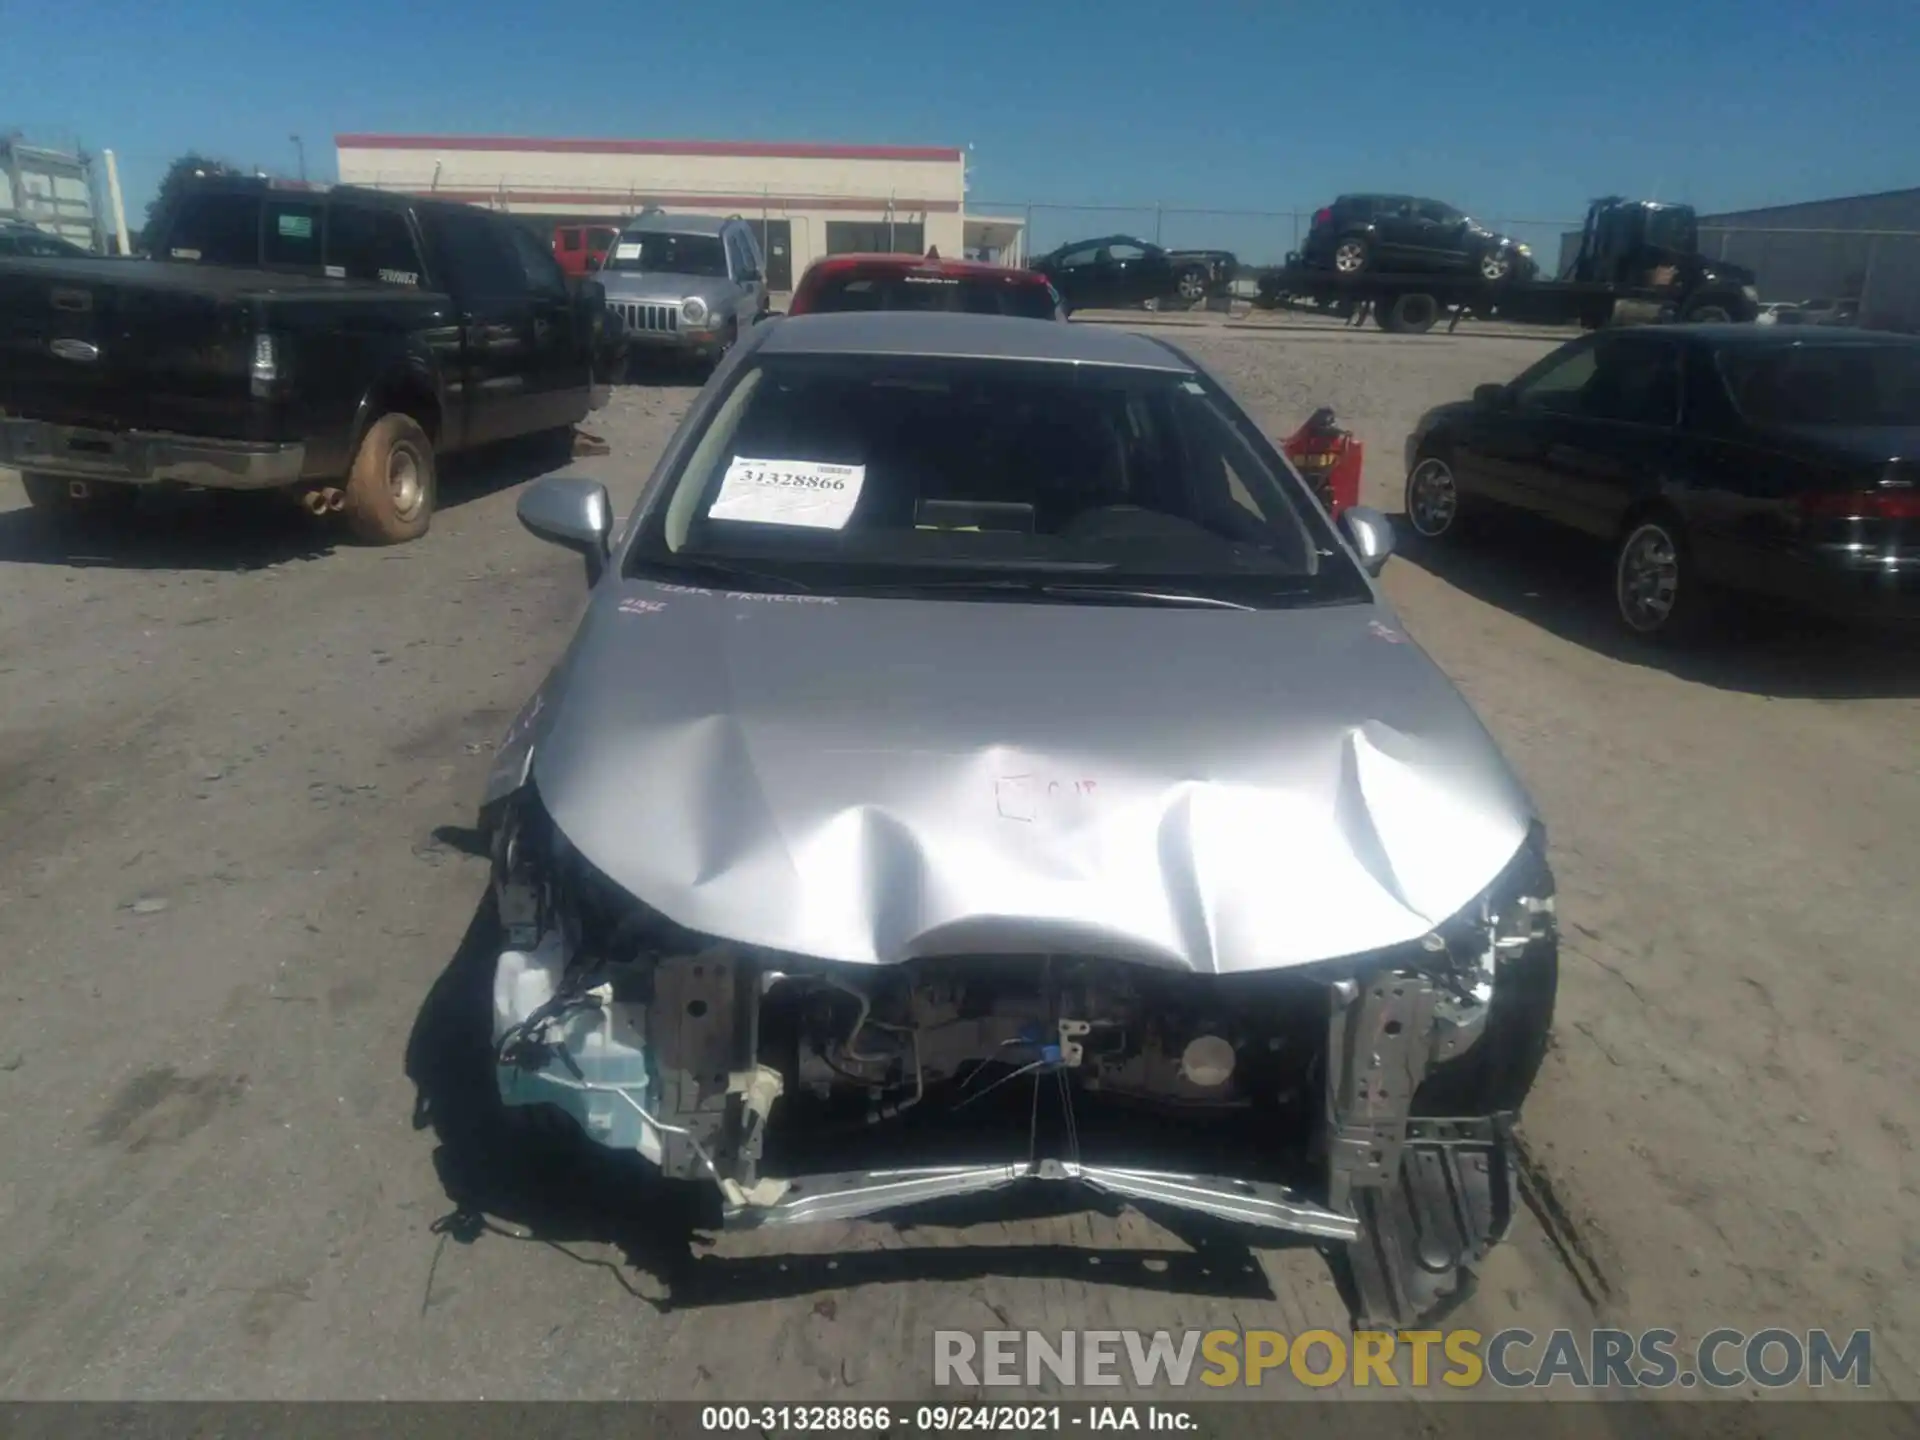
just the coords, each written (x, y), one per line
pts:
(181, 173)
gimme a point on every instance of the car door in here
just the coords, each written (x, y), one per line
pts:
(1620, 441)
(1504, 443)
(495, 311)
(1128, 274)
(559, 374)
(1157, 274)
(1396, 234)
(1440, 236)
(1075, 275)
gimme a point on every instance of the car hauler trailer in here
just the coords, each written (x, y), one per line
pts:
(1639, 262)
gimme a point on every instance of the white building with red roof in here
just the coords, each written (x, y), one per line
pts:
(805, 200)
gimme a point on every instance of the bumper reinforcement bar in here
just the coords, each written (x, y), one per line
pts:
(854, 1194)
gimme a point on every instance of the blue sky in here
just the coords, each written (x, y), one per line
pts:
(1514, 111)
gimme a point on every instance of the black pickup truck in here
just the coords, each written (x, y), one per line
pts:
(334, 343)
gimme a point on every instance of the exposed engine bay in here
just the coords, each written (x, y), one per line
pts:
(1312, 1099)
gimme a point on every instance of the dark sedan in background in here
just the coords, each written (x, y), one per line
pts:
(1114, 270)
(1711, 457)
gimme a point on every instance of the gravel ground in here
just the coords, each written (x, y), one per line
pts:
(235, 909)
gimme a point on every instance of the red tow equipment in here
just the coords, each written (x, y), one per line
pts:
(1328, 459)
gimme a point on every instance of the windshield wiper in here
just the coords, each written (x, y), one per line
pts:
(726, 570)
(1144, 595)
(1060, 590)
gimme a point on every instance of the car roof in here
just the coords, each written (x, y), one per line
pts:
(660, 221)
(948, 336)
(1734, 335)
(1099, 240)
(911, 264)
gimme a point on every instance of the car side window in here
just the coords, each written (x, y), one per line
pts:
(215, 227)
(541, 271)
(570, 240)
(1126, 250)
(292, 235)
(368, 243)
(1635, 381)
(1556, 383)
(478, 258)
(739, 255)
(1083, 256)
(1436, 212)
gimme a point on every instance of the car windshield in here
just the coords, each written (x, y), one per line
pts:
(857, 474)
(666, 253)
(889, 289)
(1825, 384)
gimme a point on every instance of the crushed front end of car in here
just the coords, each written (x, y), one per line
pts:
(1365, 1101)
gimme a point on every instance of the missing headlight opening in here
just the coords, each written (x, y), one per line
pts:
(1366, 1102)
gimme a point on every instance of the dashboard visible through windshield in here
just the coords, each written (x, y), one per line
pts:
(853, 475)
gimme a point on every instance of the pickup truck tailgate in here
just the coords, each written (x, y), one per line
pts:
(127, 345)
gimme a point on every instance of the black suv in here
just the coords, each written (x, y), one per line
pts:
(1403, 234)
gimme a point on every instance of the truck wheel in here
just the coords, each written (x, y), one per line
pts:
(89, 501)
(1192, 284)
(1496, 265)
(1411, 314)
(1352, 255)
(390, 489)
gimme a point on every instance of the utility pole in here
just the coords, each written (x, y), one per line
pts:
(119, 207)
(300, 149)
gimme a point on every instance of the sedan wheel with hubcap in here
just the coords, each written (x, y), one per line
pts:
(1433, 499)
(1649, 579)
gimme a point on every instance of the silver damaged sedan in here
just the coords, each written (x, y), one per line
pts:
(982, 763)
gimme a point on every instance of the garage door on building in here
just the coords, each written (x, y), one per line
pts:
(870, 237)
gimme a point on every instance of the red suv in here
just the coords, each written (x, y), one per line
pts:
(923, 282)
(581, 248)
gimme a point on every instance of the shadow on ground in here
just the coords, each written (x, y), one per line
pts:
(205, 530)
(1562, 582)
(559, 1190)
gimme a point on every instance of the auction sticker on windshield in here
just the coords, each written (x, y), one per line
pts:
(627, 250)
(789, 492)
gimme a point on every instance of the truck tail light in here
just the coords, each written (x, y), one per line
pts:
(265, 369)
(1322, 217)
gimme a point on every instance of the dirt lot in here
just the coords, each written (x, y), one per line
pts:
(241, 1152)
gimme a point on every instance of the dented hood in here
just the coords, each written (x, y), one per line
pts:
(873, 780)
